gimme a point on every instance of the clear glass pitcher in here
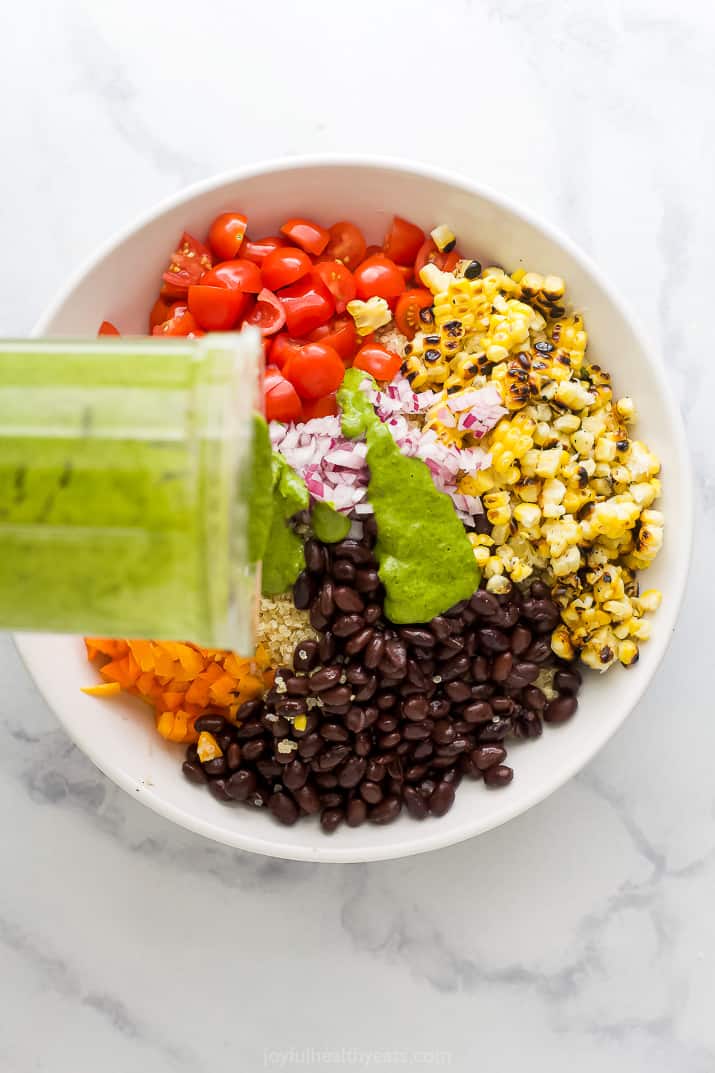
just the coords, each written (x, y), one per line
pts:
(121, 470)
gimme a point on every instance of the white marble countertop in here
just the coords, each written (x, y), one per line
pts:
(578, 937)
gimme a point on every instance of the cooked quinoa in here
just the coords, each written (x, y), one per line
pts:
(280, 627)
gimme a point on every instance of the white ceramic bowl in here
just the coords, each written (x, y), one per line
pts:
(120, 283)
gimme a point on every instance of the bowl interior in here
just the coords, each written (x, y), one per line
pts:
(121, 286)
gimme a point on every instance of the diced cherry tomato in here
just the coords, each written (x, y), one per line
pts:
(268, 314)
(310, 236)
(285, 266)
(257, 250)
(402, 241)
(325, 407)
(187, 265)
(407, 274)
(282, 402)
(371, 251)
(429, 252)
(283, 348)
(340, 334)
(226, 234)
(377, 360)
(378, 276)
(272, 375)
(216, 309)
(241, 275)
(407, 311)
(181, 322)
(160, 311)
(308, 304)
(107, 328)
(347, 244)
(315, 371)
(339, 280)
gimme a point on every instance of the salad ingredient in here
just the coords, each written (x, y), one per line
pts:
(215, 309)
(403, 241)
(257, 490)
(226, 234)
(284, 266)
(316, 370)
(413, 311)
(283, 558)
(181, 680)
(241, 274)
(325, 407)
(283, 348)
(160, 311)
(281, 401)
(328, 524)
(308, 304)
(107, 328)
(378, 361)
(378, 277)
(310, 236)
(374, 719)
(340, 334)
(369, 316)
(281, 628)
(181, 322)
(346, 244)
(105, 689)
(268, 314)
(444, 239)
(430, 254)
(257, 250)
(426, 561)
(187, 265)
(339, 281)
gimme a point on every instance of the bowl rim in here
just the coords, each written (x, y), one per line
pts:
(271, 845)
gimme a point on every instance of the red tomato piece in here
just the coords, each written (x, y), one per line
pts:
(402, 241)
(282, 402)
(428, 252)
(378, 276)
(283, 348)
(181, 322)
(284, 266)
(340, 334)
(241, 275)
(308, 304)
(408, 309)
(325, 407)
(216, 309)
(107, 328)
(160, 311)
(268, 314)
(257, 250)
(371, 251)
(377, 360)
(226, 234)
(315, 371)
(310, 236)
(339, 280)
(347, 244)
(187, 265)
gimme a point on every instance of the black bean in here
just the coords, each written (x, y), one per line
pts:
(303, 591)
(295, 774)
(352, 550)
(450, 648)
(315, 559)
(388, 741)
(538, 652)
(458, 692)
(484, 603)
(418, 731)
(375, 771)
(324, 679)
(366, 692)
(414, 803)
(558, 710)
(387, 722)
(480, 669)
(233, 756)
(317, 619)
(253, 749)
(440, 628)
(415, 708)
(520, 640)
(492, 640)
(223, 741)
(308, 799)
(454, 748)
(356, 812)
(502, 705)
(363, 743)
(331, 799)
(416, 676)
(387, 810)
(285, 708)
(565, 681)
(283, 808)
(499, 775)
(333, 732)
(486, 756)
(453, 776)
(439, 708)
(325, 780)
(212, 724)
(374, 651)
(240, 785)
(348, 600)
(352, 772)
(496, 730)
(396, 653)
(347, 625)
(527, 724)
(534, 698)
(441, 799)
(372, 614)
(218, 788)
(269, 769)
(330, 818)
(343, 570)
(298, 687)
(483, 691)
(217, 766)
(386, 700)
(336, 696)
(506, 617)
(367, 580)
(457, 609)
(417, 636)
(456, 668)
(355, 719)
(193, 771)
(443, 732)
(370, 792)
(309, 746)
(415, 772)
(327, 647)
(359, 641)
(501, 667)
(326, 601)
(248, 709)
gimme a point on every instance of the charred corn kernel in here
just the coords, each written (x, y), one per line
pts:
(207, 747)
(477, 483)
(443, 238)
(370, 315)
(498, 584)
(568, 563)
(531, 284)
(434, 279)
(626, 409)
(561, 644)
(567, 423)
(650, 600)
(527, 515)
(627, 653)
(493, 565)
(481, 554)
(574, 394)
(549, 462)
(553, 288)
(497, 507)
(605, 450)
